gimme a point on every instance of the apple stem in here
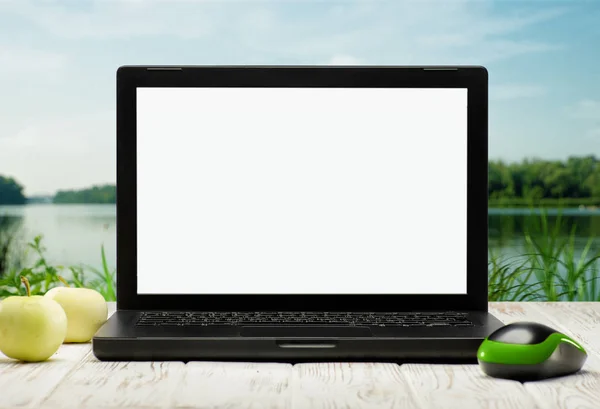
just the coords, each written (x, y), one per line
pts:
(25, 281)
(62, 280)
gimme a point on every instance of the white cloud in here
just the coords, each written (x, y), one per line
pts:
(515, 91)
(23, 61)
(402, 31)
(410, 32)
(586, 109)
(493, 26)
(54, 153)
(497, 50)
(594, 134)
(116, 19)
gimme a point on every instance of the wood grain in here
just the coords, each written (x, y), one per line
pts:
(350, 385)
(578, 391)
(28, 384)
(118, 385)
(581, 320)
(509, 312)
(578, 320)
(25, 385)
(234, 385)
(582, 390)
(463, 387)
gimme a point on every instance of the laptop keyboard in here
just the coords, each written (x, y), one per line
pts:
(378, 319)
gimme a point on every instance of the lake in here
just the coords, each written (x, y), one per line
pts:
(74, 234)
(507, 228)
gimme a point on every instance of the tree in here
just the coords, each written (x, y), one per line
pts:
(592, 183)
(11, 192)
(106, 194)
(577, 177)
(500, 179)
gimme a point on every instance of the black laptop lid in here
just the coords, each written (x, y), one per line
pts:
(302, 187)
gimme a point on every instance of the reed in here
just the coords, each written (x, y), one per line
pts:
(43, 276)
(550, 269)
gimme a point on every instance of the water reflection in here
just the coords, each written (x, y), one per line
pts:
(73, 234)
(507, 227)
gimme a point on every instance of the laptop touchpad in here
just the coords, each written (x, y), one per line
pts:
(305, 332)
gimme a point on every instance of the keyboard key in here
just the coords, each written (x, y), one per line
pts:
(380, 319)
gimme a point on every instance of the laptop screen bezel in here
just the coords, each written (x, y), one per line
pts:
(473, 78)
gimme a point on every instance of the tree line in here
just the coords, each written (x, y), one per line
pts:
(11, 193)
(95, 194)
(536, 180)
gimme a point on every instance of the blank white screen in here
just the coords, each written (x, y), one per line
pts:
(301, 190)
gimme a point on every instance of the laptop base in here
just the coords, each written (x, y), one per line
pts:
(121, 340)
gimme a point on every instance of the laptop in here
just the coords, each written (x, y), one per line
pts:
(292, 213)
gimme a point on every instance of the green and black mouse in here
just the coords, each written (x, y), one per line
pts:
(529, 351)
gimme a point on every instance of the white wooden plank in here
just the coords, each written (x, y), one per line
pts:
(234, 385)
(25, 385)
(581, 320)
(95, 384)
(350, 385)
(118, 385)
(509, 312)
(580, 390)
(463, 387)
(353, 385)
(466, 386)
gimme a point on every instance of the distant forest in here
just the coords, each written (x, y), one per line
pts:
(537, 181)
(95, 194)
(11, 192)
(573, 182)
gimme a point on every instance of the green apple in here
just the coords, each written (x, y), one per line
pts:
(86, 310)
(32, 328)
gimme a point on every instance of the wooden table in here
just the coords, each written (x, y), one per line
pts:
(74, 378)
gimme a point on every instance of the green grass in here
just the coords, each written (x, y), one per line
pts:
(509, 279)
(42, 276)
(550, 269)
(103, 280)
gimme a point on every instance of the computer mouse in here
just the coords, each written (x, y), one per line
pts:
(526, 351)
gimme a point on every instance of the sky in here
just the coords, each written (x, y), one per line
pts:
(58, 61)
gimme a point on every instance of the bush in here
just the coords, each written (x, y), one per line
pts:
(550, 269)
(42, 276)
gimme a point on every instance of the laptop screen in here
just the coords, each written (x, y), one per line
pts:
(301, 190)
